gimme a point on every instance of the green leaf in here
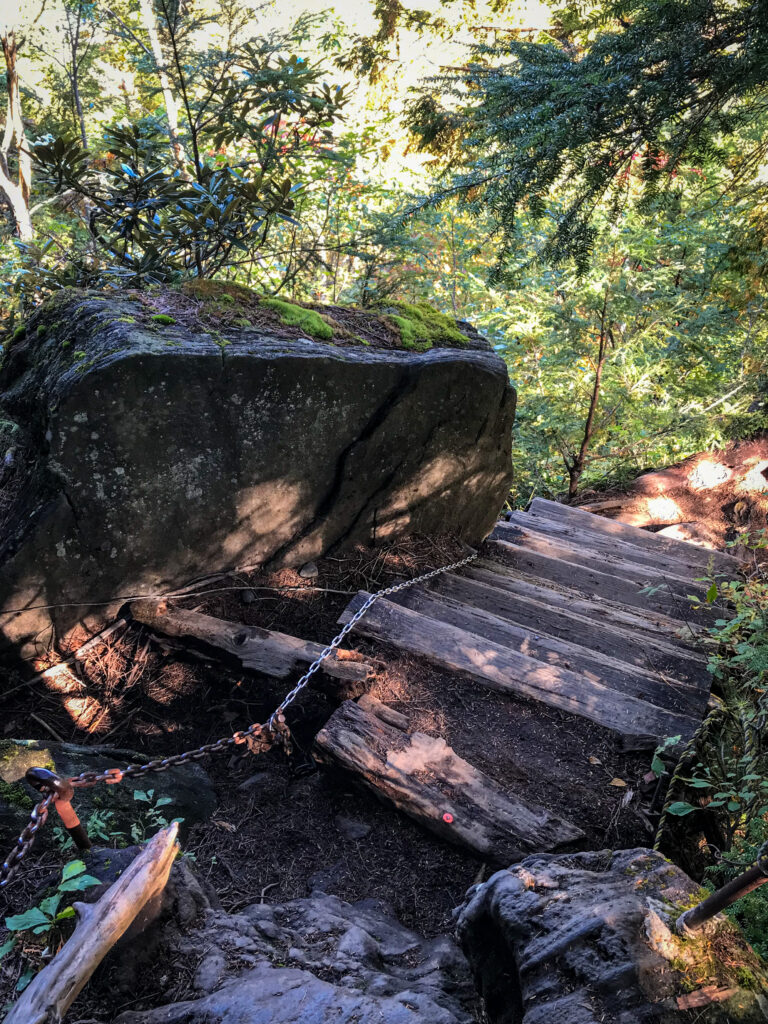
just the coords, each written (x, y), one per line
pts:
(712, 594)
(680, 808)
(75, 867)
(29, 919)
(78, 884)
(7, 946)
(65, 913)
(140, 795)
(25, 979)
(50, 905)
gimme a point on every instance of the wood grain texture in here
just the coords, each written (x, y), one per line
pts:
(680, 550)
(52, 991)
(596, 582)
(502, 669)
(424, 778)
(598, 667)
(261, 650)
(615, 635)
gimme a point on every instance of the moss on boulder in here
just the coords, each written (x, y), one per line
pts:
(307, 320)
(422, 327)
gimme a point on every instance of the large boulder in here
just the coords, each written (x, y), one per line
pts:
(588, 938)
(148, 453)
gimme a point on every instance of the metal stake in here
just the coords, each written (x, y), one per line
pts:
(691, 920)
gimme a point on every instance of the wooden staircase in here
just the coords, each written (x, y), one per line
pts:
(578, 612)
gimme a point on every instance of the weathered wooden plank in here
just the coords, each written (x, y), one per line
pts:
(502, 669)
(612, 561)
(645, 621)
(100, 925)
(679, 549)
(592, 540)
(648, 621)
(424, 778)
(596, 583)
(598, 667)
(589, 626)
(261, 650)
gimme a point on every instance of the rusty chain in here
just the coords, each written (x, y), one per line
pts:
(259, 737)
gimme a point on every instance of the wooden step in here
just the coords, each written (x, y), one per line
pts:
(598, 667)
(613, 561)
(502, 669)
(643, 621)
(681, 550)
(424, 778)
(594, 582)
(615, 635)
(566, 531)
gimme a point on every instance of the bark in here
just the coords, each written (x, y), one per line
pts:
(576, 466)
(171, 107)
(16, 192)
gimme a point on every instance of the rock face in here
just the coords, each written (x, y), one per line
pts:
(186, 791)
(310, 961)
(584, 939)
(148, 454)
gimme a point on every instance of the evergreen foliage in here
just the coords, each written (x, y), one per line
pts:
(633, 86)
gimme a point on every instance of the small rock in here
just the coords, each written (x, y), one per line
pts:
(350, 828)
(309, 571)
(247, 596)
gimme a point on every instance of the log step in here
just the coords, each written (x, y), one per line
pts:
(646, 622)
(680, 550)
(593, 581)
(616, 637)
(600, 668)
(600, 543)
(424, 778)
(615, 559)
(509, 671)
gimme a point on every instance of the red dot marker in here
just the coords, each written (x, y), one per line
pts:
(448, 818)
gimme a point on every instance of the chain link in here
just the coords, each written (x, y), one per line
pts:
(258, 737)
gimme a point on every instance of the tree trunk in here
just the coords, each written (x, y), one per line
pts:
(576, 466)
(17, 194)
(171, 107)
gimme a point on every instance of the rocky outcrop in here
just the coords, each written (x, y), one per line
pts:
(585, 939)
(310, 961)
(148, 453)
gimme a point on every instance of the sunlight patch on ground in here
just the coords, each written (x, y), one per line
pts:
(755, 480)
(708, 473)
(664, 510)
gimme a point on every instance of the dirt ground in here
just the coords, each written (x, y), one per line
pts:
(714, 497)
(276, 832)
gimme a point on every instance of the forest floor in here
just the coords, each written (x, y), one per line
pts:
(284, 826)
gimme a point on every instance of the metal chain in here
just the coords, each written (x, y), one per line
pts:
(261, 737)
(351, 625)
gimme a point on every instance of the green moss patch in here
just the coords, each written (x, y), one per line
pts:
(296, 316)
(162, 318)
(422, 327)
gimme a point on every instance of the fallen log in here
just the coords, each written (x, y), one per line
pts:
(261, 650)
(424, 778)
(99, 926)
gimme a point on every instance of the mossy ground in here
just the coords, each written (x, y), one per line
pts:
(218, 306)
